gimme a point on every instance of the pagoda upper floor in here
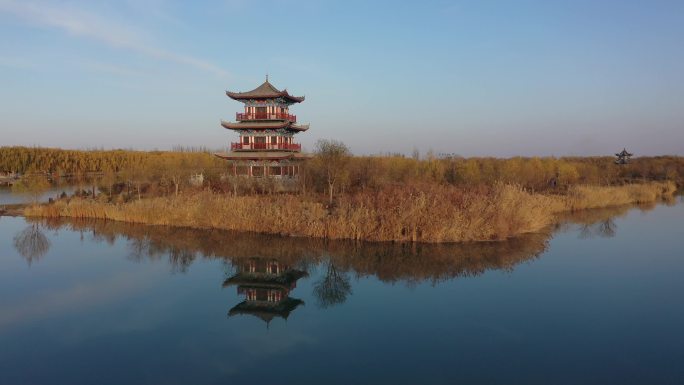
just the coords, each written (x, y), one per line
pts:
(266, 108)
(265, 113)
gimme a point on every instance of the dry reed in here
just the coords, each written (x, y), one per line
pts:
(589, 197)
(432, 213)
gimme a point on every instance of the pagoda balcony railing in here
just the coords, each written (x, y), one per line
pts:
(266, 146)
(240, 116)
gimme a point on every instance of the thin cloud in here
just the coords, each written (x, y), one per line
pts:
(81, 23)
(109, 68)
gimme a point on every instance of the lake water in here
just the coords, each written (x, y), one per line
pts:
(9, 198)
(597, 301)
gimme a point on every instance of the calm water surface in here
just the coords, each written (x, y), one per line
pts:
(598, 301)
(9, 198)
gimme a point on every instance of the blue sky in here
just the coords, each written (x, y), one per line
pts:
(475, 78)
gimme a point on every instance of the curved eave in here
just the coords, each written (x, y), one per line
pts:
(284, 281)
(262, 155)
(299, 127)
(247, 96)
(266, 313)
(296, 99)
(256, 126)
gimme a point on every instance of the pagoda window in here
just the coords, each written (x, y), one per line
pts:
(261, 112)
(274, 140)
(245, 140)
(275, 170)
(242, 170)
(257, 171)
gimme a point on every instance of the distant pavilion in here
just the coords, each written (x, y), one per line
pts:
(623, 157)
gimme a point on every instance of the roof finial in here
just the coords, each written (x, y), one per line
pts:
(266, 78)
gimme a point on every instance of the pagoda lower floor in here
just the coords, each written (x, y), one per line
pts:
(261, 170)
(264, 164)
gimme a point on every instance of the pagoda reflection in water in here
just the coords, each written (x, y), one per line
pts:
(266, 285)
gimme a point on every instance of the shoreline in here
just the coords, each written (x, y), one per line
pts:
(13, 210)
(443, 215)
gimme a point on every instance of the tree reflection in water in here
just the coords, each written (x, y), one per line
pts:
(603, 229)
(600, 223)
(267, 293)
(333, 288)
(31, 243)
(181, 259)
(389, 262)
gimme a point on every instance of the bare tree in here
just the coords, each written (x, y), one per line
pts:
(602, 229)
(31, 243)
(333, 289)
(334, 157)
(181, 259)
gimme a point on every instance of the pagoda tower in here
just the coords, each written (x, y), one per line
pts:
(266, 285)
(266, 146)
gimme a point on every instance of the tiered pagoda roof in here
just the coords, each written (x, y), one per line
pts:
(262, 155)
(265, 125)
(281, 309)
(623, 157)
(266, 131)
(623, 153)
(284, 281)
(266, 282)
(265, 91)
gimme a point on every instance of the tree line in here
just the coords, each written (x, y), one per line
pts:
(59, 162)
(332, 171)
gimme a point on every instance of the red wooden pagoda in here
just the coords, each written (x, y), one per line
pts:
(266, 147)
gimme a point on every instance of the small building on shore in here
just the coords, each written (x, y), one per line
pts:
(623, 157)
(266, 128)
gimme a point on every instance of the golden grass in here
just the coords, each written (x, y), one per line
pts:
(588, 197)
(431, 213)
